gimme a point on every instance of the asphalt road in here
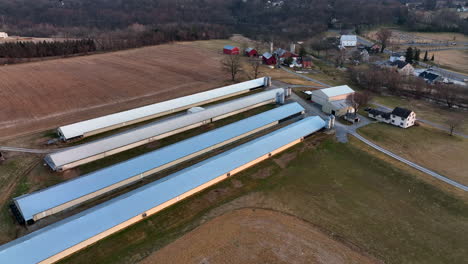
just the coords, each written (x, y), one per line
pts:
(412, 164)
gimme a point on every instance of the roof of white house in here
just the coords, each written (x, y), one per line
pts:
(80, 128)
(37, 202)
(348, 38)
(335, 91)
(55, 238)
(58, 159)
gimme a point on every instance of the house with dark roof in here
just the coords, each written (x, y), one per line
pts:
(400, 117)
(430, 77)
(396, 57)
(402, 67)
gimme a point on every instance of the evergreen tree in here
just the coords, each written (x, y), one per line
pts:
(409, 55)
(432, 59)
(425, 56)
(302, 52)
(417, 54)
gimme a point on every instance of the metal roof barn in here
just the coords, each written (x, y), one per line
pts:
(73, 192)
(88, 152)
(65, 237)
(335, 91)
(125, 118)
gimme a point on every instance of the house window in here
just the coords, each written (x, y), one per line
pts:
(401, 123)
(393, 121)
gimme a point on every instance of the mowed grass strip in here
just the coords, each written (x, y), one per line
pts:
(429, 147)
(355, 197)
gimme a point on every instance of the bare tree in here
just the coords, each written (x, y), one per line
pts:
(446, 93)
(453, 124)
(383, 36)
(358, 99)
(255, 64)
(231, 64)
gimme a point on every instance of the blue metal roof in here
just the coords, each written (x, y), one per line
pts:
(64, 234)
(37, 202)
(229, 47)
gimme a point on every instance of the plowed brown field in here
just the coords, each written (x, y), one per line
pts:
(257, 236)
(44, 95)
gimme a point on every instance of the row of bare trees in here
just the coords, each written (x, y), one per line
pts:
(381, 80)
(232, 65)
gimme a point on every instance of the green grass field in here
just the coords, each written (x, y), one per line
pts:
(429, 147)
(353, 196)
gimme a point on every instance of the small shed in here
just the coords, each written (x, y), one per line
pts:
(231, 50)
(3, 35)
(307, 62)
(251, 52)
(268, 58)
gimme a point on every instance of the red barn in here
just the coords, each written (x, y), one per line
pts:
(268, 58)
(307, 62)
(231, 50)
(251, 52)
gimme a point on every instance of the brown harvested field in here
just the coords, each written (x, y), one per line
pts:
(256, 236)
(452, 59)
(43, 95)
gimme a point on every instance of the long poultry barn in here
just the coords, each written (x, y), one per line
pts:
(65, 237)
(113, 121)
(99, 149)
(40, 204)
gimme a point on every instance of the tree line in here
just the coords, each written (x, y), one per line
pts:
(383, 80)
(139, 36)
(41, 49)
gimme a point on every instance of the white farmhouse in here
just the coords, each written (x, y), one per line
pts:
(333, 100)
(3, 35)
(348, 41)
(400, 117)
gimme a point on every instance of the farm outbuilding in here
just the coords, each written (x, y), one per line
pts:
(3, 35)
(231, 50)
(63, 238)
(268, 58)
(113, 121)
(99, 149)
(333, 100)
(251, 52)
(307, 62)
(60, 197)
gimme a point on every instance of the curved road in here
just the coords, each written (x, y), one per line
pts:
(343, 130)
(412, 164)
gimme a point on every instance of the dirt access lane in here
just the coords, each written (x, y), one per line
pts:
(44, 95)
(257, 236)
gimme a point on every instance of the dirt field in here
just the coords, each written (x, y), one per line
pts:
(452, 59)
(256, 236)
(43, 95)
